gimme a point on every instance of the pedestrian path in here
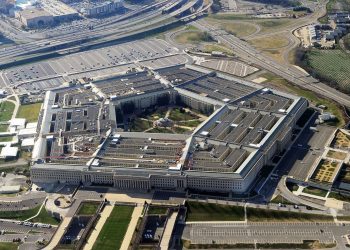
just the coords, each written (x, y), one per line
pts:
(96, 231)
(131, 228)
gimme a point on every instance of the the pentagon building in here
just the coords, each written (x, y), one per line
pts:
(81, 137)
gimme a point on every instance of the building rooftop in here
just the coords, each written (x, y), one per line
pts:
(57, 8)
(33, 13)
(8, 151)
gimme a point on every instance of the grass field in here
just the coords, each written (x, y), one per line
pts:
(280, 199)
(312, 97)
(240, 29)
(157, 210)
(198, 211)
(177, 114)
(88, 208)
(315, 191)
(45, 217)
(19, 215)
(3, 128)
(5, 138)
(336, 155)
(208, 48)
(271, 46)
(8, 246)
(6, 110)
(113, 231)
(274, 42)
(192, 36)
(272, 24)
(339, 196)
(140, 125)
(29, 111)
(332, 66)
(258, 214)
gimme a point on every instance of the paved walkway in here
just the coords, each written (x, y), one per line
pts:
(59, 233)
(131, 228)
(96, 231)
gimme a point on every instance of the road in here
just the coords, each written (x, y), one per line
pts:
(147, 19)
(247, 52)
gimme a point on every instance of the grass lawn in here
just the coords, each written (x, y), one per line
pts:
(237, 28)
(312, 97)
(6, 138)
(113, 231)
(45, 217)
(157, 210)
(6, 110)
(177, 114)
(139, 125)
(332, 66)
(225, 16)
(274, 42)
(269, 25)
(179, 130)
(259, 214)
(315, 191)
(192, 36)
(339, 196)
(29, 111)
(88, 208)
(209, 48)
(3, 128)
(160, 130)
(191, 123)
(336, 155)
(280, 199)
(198, 211)
(19, 215)
(272, 46)
(8, 246)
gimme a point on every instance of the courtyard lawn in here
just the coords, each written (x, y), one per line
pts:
(6, 110)
(315, 191)
(181, 115)
(29, 111)
(88, 208)
(113, 231)
(157, 210)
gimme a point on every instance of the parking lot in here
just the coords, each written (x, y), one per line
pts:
(105, 61)
(264, 232)
(25, 201)
(231, 67)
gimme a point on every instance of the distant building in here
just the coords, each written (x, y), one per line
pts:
(60, 11)
(6, 5)
(102, 8)
(34, 18)
(28, 143)
(9, 152)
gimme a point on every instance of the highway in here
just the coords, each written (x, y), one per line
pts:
(247, 52)
(135, 23)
